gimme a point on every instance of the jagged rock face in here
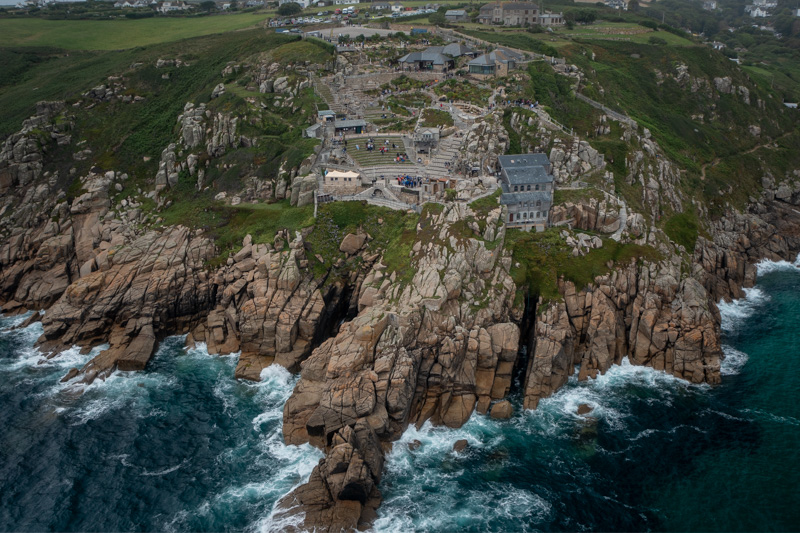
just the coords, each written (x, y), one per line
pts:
(21, 153)
(601, 216)
(726, 264)
(192, 125)
(223, 134)
(643, 312)
(140, 293)
(573, 158)
(657, 175)
(268, 306)
(485, 141)
(417, 351)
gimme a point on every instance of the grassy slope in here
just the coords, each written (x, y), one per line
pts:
(722, 138)
(539, 259)
(122, 135)
(117, 34)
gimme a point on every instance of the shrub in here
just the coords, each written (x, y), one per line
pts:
(683, 229)
(289, 9)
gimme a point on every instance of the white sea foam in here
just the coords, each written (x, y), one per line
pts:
(765, 266)
(733, 362)
(165, 471)
(434, 464)
(736, 312)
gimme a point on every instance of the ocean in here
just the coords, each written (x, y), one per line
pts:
(182, 446)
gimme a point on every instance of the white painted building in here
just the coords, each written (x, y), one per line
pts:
(303, 3)
(171, 7)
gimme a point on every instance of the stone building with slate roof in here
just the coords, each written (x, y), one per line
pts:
(527, 184)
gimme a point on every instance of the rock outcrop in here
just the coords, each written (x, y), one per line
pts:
(432, 348)
(643, 312)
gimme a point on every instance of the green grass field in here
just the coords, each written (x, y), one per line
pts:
(117, 34)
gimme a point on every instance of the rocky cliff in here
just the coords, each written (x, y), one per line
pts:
(379, 347)
(434, 347)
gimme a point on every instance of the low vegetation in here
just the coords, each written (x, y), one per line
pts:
(539, 259)
(117, 34)
(393, 234)
(433, 118)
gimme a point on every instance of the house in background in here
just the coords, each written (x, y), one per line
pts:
(526, 181)
(171, 7)
(517, 14)
(303, 3)
(557, 19)
(456, 15)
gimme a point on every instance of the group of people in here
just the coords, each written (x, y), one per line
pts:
(409, 181)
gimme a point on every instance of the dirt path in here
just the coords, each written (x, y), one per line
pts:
(715, 162)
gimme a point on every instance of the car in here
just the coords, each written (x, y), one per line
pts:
(320, 14)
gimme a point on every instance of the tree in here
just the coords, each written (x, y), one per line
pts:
(289, 9)
(208, 5)
(437, 18)
(633, 5)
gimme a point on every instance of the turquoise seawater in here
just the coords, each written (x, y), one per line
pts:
(182, 446)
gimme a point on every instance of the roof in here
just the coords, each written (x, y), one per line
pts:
(416, 57)
(313, 128)
(520, 5)
(350, 123)
(523, 160)
(326, 113)
(455, 13)
(457, 50)
(483, 60)
(340, 174)
(498, 56)
(532, 196)
(517, 176)
(509, 54)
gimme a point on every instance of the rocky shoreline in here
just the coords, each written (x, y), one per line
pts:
(376, 352)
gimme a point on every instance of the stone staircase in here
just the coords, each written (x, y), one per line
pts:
(447, 152)
(325, 92)
(390, 171)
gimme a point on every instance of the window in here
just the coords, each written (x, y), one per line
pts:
(511, 217)
(537, 186)
(529, 186)
(538, 214)
(538, 203)
(516, 188)
(524, 215)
